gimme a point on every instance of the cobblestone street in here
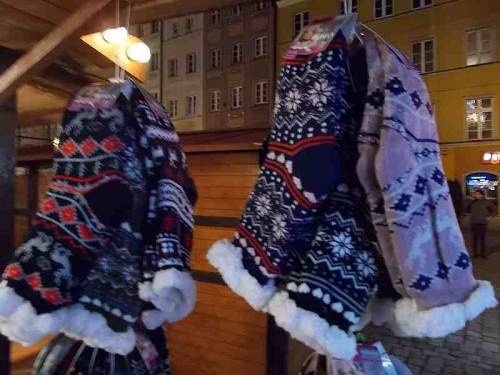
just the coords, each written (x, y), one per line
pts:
(475, 350)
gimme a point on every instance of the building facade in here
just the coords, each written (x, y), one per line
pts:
(239, 66)
(151, 34)
(456, 45)
(214, 70)
(183, 74)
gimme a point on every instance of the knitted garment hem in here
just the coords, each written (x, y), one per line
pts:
(172, 292)
(304, 325)
(20, 322)
(441, 321)
(227, 259)
(311, 329)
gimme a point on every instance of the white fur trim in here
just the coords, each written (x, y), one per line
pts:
(20, 322)
(227, 258)
(153, 319)
(379, 311)
(312, 330)
(442, 320)
(172, 292)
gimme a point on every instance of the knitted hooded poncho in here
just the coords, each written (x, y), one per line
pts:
(412, 210)
(109, 247)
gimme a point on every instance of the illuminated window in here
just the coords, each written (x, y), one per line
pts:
(479, 46)
(479, 118)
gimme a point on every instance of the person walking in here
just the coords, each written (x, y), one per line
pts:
(480, 210)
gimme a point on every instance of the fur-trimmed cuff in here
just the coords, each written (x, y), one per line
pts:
(227, 258)
(20, 322)
(173, 293)
(311, 329)
(442, 320)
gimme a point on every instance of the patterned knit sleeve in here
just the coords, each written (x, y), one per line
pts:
(167, 283)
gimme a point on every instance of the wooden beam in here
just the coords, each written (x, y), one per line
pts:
(143, 11)
(47, 49)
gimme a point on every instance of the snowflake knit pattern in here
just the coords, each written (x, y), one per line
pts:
(305, 249)
(92, 267)
(401, 170)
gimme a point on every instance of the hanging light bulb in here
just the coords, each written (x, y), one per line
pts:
(139, 52)
(487, 156)
(115, 36)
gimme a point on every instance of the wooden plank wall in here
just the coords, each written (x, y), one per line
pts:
(224, 335)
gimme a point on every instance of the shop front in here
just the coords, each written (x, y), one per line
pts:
(474, 167)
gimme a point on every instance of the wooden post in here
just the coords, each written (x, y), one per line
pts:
(7, 165)
(277, 348)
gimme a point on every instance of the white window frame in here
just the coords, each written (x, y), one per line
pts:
(216, 59)
(300, 20)
(236, 12)
(237, 53)
(215, 100)
(191, 63)
(479, 46)
(260, 46)
(215, 16)
(140, 30)
(423, 62)
(173, 107)
(261, 92)
(189, 24)
(173, 68)
(421, 4)
(237, 97)
(479, 112)
(155, 27)
(385, 5)
(155, 61)
(261, 5)
(175, 29)
(354, 6)
(191, 105)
